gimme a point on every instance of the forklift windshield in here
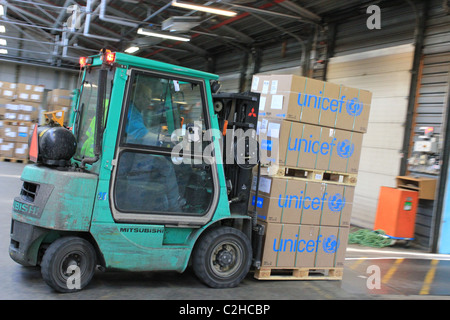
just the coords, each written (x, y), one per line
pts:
(85, 114)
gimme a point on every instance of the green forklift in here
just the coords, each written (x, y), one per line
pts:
(153, 173)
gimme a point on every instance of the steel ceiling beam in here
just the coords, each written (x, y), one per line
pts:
(116, 20)
(26, 12)
(307, 14)
(195, 49)
(29, 24)
(15, 22)
(44, 12)
(241, 36)
(271, 13)
(151, 16)
(63, 13)
(53, 21)
(30, 36)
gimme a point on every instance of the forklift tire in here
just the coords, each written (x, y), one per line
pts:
(222, 257)
(68, 264)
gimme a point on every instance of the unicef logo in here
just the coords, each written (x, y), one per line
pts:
(345, 148)
(354, 107)
(336, 202)
(330, 244)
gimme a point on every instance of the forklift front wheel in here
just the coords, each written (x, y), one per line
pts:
(68, 264)
(222, 258)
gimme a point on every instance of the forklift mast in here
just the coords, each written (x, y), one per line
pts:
(238, 119)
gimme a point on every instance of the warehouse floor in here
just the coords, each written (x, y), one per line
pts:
(387, 273)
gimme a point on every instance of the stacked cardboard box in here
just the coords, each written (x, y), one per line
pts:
(310, 134)
(60, 99)
(19, 110)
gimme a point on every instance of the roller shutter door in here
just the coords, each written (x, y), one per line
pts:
(431, 108)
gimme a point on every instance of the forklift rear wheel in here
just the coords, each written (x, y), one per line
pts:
(222, 258)
(68, 264)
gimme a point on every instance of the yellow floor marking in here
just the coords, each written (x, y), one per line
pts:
(429, 277)
(357, 263)
(391, 271)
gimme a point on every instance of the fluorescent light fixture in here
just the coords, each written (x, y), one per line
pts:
(203, 8)
(2, 10)
(131, 49)
(3, 51)
(2, 29)
(152, 33)
(3, 42)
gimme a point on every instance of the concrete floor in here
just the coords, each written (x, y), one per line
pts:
(369, 274)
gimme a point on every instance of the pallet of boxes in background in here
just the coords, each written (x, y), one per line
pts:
(19, 110)
(310, 134)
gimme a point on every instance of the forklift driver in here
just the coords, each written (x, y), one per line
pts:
(141, 102)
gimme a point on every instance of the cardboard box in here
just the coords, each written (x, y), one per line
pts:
(23, 133)
(12, 106)
(30, 88)
(30, 93)
(21, 117)
(60, 97)
(23, 96)
(21, 111)
(7, 149)
(21, 150)
(301, 145)
(312, 101)
(8, 90)
(11, 116)
(289, 245)
(9, 133)
(425, 186)
(30, 110)
(291, 201)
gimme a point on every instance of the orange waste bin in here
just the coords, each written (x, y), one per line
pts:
(396, 212)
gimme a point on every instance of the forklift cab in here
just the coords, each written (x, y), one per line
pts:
(139, 181)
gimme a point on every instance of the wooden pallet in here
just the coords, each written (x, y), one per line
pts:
(314, 273)
(7, 159)
(316, 175)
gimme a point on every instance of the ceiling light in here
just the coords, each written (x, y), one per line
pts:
(2, 29)
(131, 49)
(152, 33)
(204, 8)
(3, 42)
(3, 51)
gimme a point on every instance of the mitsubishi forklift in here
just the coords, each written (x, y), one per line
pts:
(154, 172)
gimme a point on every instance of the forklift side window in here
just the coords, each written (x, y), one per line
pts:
(85, 124)
(152, 183)
(159, 106)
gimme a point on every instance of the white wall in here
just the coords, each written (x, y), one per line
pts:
(386, 73)
(36, 75)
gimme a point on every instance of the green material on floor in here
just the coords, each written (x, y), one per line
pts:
(369, 238)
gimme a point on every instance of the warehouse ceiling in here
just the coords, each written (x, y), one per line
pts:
(57, 33)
